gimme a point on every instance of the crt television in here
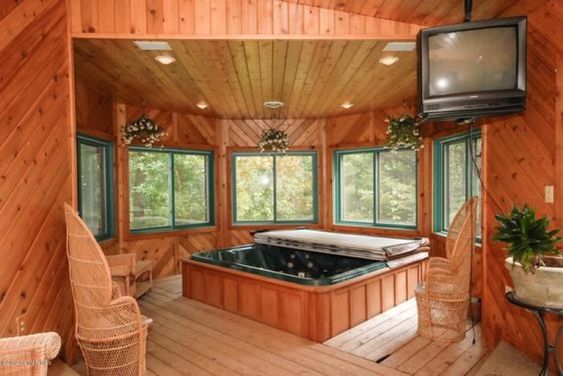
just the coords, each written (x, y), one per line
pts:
(472, 69)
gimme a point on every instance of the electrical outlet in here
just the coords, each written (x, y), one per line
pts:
(21, 323)
(549, 195)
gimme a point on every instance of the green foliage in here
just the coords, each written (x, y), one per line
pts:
(150, 193)
(397, 187)
(143, 129)
(396, 191)
(293, 192)
(528, 238)
(254, 188)
(404, 132)
(357, 190)
(149, 199)
(274, 140)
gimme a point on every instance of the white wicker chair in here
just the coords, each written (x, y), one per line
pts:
(443, 300)
(28, 355)
(110, 330)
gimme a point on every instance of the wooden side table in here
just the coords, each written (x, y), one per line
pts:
(539, 312)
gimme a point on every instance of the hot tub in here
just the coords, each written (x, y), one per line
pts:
(311, 294)
(292, 265)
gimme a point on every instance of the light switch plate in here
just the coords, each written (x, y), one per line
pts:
(549, 195)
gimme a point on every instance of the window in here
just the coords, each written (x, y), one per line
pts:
(170, 189)
(456, 177)
(95, 185)
(376, 187)
(275, 188)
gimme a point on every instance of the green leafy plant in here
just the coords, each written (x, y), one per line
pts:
(527, 237)
(404, 132)
(274, 141)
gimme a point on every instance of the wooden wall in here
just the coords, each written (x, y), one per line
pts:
(523, 154)
(225, 18)
(36, 168)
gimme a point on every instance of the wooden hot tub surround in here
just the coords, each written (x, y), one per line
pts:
(314, 312)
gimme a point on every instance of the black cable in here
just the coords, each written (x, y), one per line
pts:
(472, 156)
(468, 10)
(479, 168)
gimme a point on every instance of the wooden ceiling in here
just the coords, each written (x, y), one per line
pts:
(428, 12)
(313, 78)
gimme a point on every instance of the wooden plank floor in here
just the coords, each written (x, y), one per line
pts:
(190, 338)
(390, 339)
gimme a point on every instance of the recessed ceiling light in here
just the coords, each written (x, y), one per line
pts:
(400, 46)
(202, 105)
(347, 105)
(273, 104)
(148, 45)
(388, 60)
(165, 59)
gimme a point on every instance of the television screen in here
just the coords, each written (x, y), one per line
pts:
(474, 68)
(473, 60)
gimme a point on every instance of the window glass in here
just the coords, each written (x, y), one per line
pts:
(149, 189)
(170, 189)
(376, 187)
(455, 179)
(274, 188)
(397, 187)
(254, 188)
(295, 188)
(190, 189)
(95, 185)
(457, 171)
(357, 191)
(92, 188)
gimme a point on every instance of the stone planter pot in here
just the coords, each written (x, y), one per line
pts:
(544, 288)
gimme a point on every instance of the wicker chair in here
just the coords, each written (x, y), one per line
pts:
(28, 355)
(443, 299)
(110, 330)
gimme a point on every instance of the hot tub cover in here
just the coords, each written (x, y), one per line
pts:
(361, 246)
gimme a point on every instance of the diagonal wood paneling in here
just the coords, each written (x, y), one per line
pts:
(35, 167)
(224, 18)
(428, 12)
(313, 78)
(520, 160)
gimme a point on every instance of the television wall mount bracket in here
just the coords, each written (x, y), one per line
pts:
(468, 10)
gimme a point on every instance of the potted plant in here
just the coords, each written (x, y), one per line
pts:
(403, 131)
(537, 277)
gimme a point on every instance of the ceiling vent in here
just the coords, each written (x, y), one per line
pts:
(400, 46)
(147, 45)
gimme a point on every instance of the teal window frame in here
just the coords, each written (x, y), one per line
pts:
(109, 222)
(337, 188)
(315, 219)
(440, 189)
(171, 152)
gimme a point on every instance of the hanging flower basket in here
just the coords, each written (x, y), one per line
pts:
(145, 130)
(273, 141)
(404, 132)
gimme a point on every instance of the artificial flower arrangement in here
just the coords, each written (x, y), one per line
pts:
(273, 141)
(143, 129)
(404, 132)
